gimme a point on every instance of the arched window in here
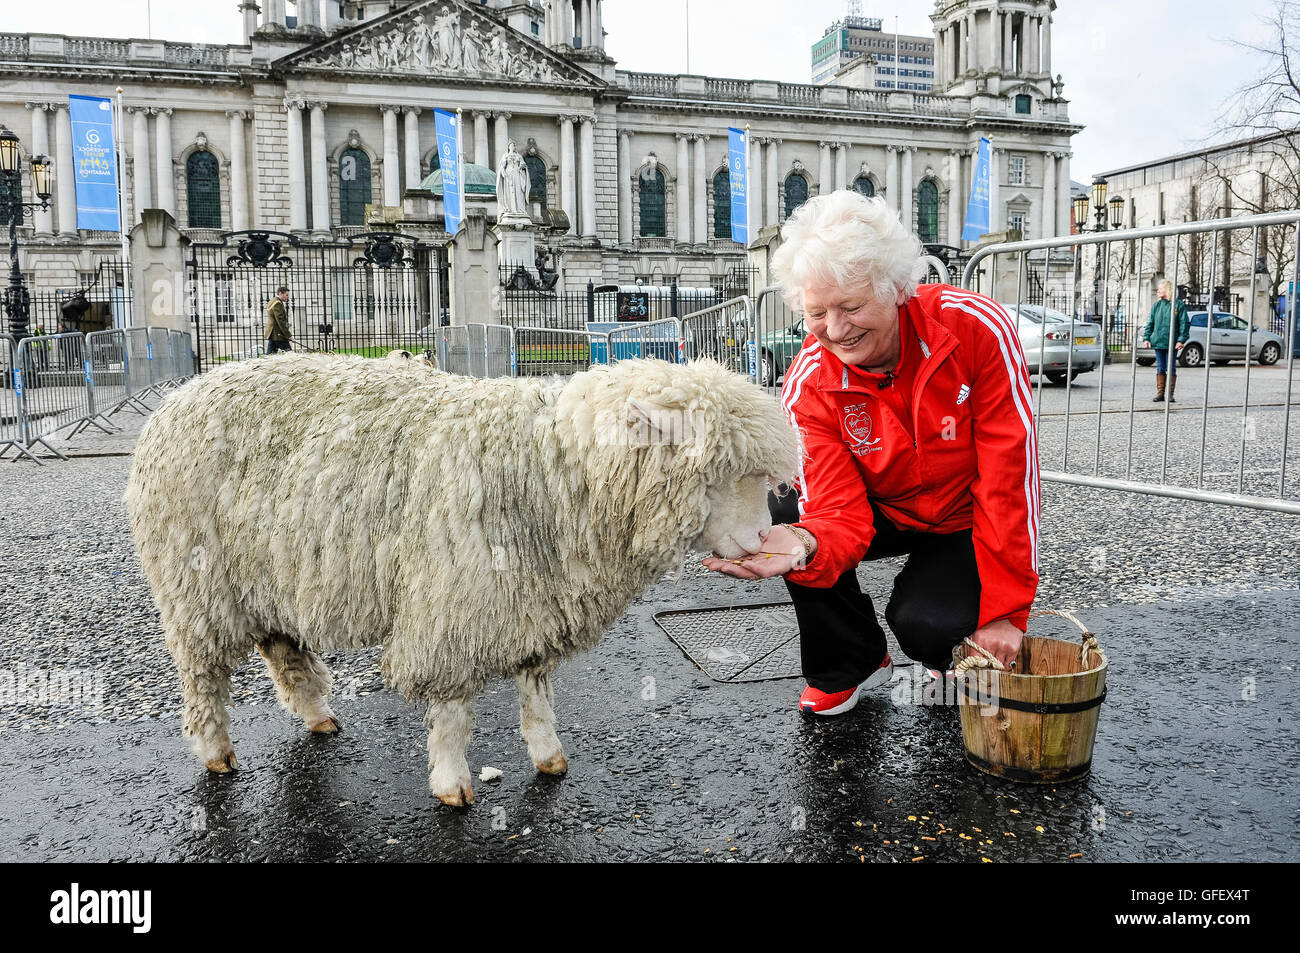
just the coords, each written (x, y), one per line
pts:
(927, 211)
(203, 188)
(722, 204)
(435, 162)
(864, 185)
(354, 187)
(536, 180)
(654, 220)
(796, 192)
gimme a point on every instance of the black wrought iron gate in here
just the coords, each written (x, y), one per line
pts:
(366, 294)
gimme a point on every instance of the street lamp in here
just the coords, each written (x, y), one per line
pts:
(1104, 222)
(17, 301)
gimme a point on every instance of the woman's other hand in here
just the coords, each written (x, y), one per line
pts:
(782, 551)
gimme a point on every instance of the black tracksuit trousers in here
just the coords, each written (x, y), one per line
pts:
(934, 605)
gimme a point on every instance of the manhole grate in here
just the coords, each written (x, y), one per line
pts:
(748, 643)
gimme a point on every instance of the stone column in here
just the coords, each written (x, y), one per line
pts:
(238, 171)
(64, 180)
(1031, 46)
(141, 173)
(309, 13)
(893, 192)
(972, 43)
(956, 199)
(995, 40)
(275, 13)
(586, 23)
(162, 132)
(1049, 195)
(588, 131)
(481, 139)
(1046, 54)
(1008, 45)
(683, 173)
(412, 144)
(756, 192)
(598, 28)
(773, 181)
(1063, 195)
(44, 220)
(824, 173)
(842, 166)
(250, 10)
(701, 192)
(995, 191)
(909, 187)
(320, 187)
(392, 158)
(568, 172)
(501, 137)
(297, 166)
(625, 188)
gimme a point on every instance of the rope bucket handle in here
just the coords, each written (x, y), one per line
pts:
(986, 659)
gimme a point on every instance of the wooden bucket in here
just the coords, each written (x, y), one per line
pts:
(1037, 722)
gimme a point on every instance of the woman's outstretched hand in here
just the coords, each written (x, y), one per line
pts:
(782, 551)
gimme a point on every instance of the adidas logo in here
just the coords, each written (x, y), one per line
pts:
(963, 394)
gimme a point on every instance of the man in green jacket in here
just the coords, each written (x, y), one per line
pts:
(1156, 335)
(277, 321)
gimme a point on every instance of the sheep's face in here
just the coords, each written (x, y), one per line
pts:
(737, 519)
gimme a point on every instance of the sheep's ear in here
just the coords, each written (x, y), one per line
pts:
(659, 424)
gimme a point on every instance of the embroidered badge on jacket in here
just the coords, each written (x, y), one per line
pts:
(857, 424)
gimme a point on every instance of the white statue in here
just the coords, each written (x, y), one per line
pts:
(512, 187)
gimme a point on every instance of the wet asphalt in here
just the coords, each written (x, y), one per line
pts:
(1196, 756)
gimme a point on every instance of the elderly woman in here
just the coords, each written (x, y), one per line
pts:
(912, 404)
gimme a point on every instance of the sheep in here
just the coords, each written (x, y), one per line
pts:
(476, 529)
(402, 358)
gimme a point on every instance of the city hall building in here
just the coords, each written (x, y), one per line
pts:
(320, 125)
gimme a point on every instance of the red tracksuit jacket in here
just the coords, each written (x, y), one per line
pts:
(946, 445)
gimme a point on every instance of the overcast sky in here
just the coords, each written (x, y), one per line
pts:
(1146, 77)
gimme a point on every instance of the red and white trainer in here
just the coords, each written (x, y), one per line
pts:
(816, 702)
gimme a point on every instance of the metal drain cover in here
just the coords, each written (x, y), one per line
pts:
(737, 643)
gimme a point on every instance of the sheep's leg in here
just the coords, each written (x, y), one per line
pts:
(450, 723)
(302, 682)
(206, 693)
(537, 721)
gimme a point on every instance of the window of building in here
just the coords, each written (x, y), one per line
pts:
(354, 187)
(796, 192)
(435, 163)
(11, 188)
(203, 189)
(721, 204)
(536, 180)
(1016, 170)
(654, 216)
(1023, 103)
(865, 186)
(927, 211)
(1018, 219)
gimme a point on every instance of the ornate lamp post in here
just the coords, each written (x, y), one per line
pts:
(1103, 222)
(17, 301)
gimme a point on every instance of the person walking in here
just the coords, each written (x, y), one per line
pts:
(277, 322)
(914, 412)
(1156, 335)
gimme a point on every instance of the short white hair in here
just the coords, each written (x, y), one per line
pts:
(848, 242)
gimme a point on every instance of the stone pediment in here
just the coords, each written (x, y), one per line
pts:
(446, 39)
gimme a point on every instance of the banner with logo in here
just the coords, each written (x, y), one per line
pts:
(94, 163)
(738, 162)
(448, 130)
(977, 209)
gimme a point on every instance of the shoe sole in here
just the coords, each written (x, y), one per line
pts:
(879, 677)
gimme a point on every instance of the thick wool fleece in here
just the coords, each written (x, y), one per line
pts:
(473, 527)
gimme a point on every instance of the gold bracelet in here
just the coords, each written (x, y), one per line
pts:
(805, 539)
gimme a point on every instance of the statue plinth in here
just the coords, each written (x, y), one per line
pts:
(518, 246)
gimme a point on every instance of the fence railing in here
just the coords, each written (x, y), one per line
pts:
(74, 381)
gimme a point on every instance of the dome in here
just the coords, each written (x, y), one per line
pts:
(479, 180)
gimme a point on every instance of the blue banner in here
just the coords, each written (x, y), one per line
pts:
(94, 163)
(738, 162)
(448, 131)
(977, 209)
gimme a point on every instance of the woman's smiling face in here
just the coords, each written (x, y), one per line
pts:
(855, 326)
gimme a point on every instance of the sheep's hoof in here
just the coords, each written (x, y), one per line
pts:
(326, 726)
(556, 764)
(223, 764)
(462, 795)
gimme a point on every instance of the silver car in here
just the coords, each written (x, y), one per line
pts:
(1227, 342)
(1046, 334)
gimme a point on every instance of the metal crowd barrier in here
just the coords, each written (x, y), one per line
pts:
(1216, 445)
(654, 339)
(499, 351)
(75, 381)
(476, 346)
(541, 352)
(453, 348)
(725, 333)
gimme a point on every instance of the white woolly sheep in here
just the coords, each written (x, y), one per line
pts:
(476, 529)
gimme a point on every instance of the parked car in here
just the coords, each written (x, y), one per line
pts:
(780, 346)
(1227, 342)
(1045, 335)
